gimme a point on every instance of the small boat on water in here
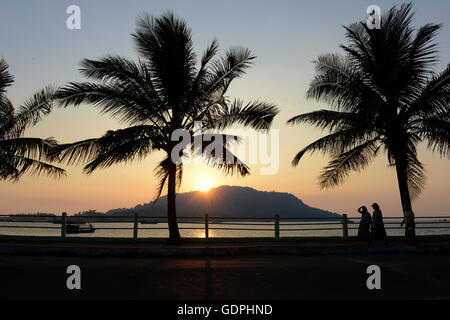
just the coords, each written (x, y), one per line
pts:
(79, 228)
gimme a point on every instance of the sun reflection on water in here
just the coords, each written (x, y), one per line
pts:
(200, 233)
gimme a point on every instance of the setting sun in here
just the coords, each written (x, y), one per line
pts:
(204, 186)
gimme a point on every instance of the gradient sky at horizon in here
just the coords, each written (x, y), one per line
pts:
(286, 37)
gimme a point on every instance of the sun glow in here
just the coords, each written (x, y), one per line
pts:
(204, 186)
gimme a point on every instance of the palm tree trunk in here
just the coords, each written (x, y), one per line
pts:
(174, 234)
(403, 185)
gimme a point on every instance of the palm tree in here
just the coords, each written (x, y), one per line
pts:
(22, 155)
(163, 91)
(385, 97)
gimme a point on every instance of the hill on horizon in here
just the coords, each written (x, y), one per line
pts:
(231, 201)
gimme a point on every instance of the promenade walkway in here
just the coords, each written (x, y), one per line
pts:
(251, 276)
(198, 247)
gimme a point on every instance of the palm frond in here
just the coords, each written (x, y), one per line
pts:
(35, 148)
(232, 65)
(162, 173)
(342, 86)
(6, 79)
(114, 68)
(14, 167)
(437, 132)
(196, 93)
(211, 141)
(325, 119)
(119, 146)
(6, 116)
(423, 51)
(32, 111)
(122, 152)
(214, 149)
(19, 155)
(134, 76)
(434, 98)
(6, 109)
(78, 152)
(209, 54)
(166, 43)
(393, 60)
(8, 171)
(227, 162)
(356, 159)
(204, 71)
(209, 94)
(416, 178)
(415, 172)
(336, 142)
(119, 102)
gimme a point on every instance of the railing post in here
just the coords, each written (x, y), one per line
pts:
(63, 224)
(135, 226)
(277, 226)
(344, 226)
(206, 226)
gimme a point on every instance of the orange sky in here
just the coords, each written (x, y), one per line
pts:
(286, 42)
(126, 186)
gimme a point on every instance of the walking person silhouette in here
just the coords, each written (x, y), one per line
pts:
(378, 230)
(364, 224)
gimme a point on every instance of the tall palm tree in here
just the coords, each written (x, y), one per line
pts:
(22, 155)
(163, 91)
(386, 97)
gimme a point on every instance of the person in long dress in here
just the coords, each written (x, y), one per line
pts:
(364, 224)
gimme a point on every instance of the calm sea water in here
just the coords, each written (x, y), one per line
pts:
(196, 230)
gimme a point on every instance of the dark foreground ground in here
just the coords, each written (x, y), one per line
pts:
(253, 276)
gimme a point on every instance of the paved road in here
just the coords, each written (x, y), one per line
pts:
(231, 277)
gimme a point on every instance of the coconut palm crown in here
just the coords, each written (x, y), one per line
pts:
(21, 155)
(166, 89)
(386, 98)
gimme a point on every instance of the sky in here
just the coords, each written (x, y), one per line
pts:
(286, 36)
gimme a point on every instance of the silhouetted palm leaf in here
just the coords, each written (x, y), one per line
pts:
(19, 155)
